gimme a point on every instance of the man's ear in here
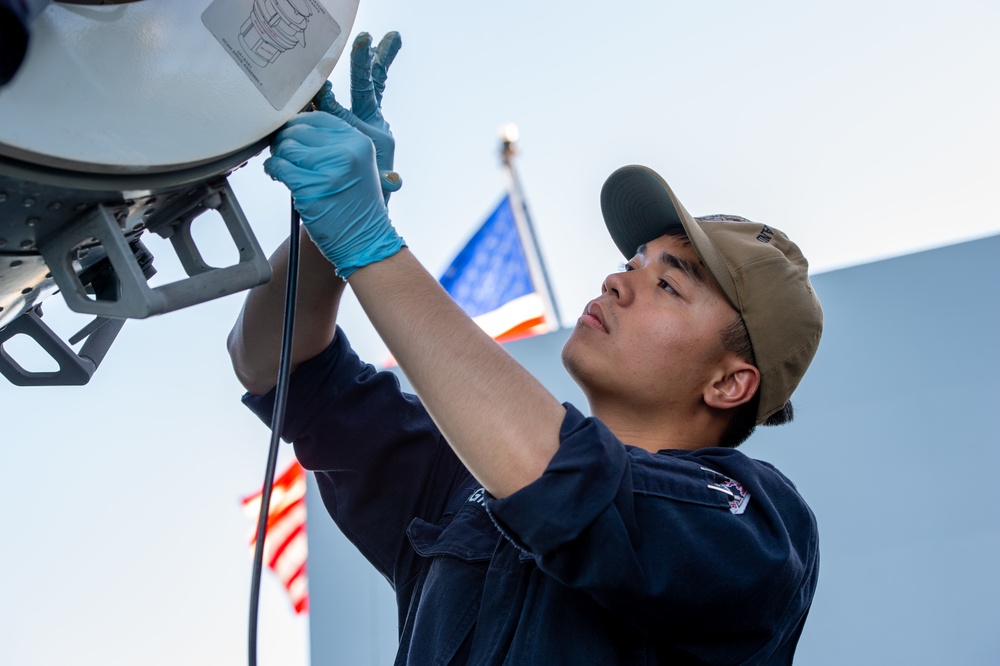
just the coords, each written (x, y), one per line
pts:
(735, 385)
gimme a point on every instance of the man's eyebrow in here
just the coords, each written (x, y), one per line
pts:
(690, 269)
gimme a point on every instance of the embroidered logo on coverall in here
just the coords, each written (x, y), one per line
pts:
(478, 497)
(738, 497)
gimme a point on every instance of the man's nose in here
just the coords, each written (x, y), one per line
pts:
(619, 286)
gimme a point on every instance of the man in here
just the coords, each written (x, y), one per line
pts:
(512, 528)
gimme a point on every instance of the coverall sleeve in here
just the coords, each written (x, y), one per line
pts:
(378, 457)
(658, 540)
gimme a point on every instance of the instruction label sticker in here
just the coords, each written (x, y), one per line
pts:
(277, 43)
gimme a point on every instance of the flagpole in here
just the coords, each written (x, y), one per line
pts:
(526, 231)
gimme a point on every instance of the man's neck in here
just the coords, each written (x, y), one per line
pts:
(660, 431)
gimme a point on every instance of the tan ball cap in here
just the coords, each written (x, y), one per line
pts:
(761, 271)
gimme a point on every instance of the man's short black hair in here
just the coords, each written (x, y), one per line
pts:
(735, 338)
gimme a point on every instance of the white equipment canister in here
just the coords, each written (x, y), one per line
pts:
(153, 86)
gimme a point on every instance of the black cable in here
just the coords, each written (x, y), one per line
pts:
(277, 423)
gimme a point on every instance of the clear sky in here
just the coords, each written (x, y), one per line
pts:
(862, 129)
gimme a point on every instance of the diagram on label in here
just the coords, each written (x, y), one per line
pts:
(273, 27)
(277, 43)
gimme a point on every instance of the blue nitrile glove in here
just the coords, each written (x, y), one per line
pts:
(330, 168)
(368, 74)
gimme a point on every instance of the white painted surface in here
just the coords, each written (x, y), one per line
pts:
(147, 86)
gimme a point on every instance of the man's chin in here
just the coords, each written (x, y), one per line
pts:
(573, 356)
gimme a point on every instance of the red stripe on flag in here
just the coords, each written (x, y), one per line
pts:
(287, 480)
(276, 515)
(522, 330)
(301, 571)
(280, 548)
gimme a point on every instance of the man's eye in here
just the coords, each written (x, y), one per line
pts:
(664, 285)
(625, 268)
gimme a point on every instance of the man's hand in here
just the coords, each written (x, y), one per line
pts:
(368, 73)
(330, 168)
(338, 164)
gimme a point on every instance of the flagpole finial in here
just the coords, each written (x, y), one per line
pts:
(508, 140)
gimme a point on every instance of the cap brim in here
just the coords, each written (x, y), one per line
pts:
(638, 206)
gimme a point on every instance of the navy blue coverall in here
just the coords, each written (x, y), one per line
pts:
(614, 556)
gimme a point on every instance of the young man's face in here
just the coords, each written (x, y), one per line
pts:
(653, 338)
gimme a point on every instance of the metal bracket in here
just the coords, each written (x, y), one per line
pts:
(136, 299)
(74, 369)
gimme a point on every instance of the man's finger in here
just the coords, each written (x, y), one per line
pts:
(307, 124)
(391, 182)
(309, 159)
(363, 103)
(285, 172)
(325, 100)
(337, 110)
(385, 53)
(329, 104)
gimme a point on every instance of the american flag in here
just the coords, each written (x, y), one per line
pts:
(491, 281)
(285, 538)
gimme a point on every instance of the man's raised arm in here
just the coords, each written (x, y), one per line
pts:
(255, 342)
(501, 422)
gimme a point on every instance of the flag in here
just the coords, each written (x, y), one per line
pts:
(285, 535)
(490, 280)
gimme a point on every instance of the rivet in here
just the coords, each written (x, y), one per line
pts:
(27, 243)
(55, 205)
(3, 197)
(16, 263)
(26, 290)
(28, 202)
(32, 221)
(80, 206)
(3, 241)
